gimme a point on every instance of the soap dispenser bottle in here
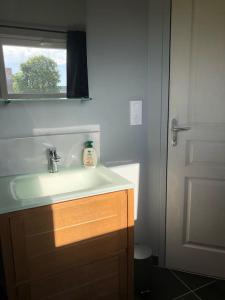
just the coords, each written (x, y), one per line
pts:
(89, 155)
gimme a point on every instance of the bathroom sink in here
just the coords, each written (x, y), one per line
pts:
(51, 184)
(19, 192)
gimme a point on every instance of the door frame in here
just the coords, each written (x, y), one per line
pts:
(164, 137)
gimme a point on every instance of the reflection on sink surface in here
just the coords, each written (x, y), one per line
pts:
(51, 184)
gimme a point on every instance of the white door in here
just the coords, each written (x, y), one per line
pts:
(196, 165)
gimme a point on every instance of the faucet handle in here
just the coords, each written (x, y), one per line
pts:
(56, 157)
(53, 153)
(53, 159)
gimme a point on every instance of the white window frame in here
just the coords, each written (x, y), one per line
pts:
(30, 38)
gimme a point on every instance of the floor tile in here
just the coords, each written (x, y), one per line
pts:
(161, 282)
(214, 291)
(189, 296)
(193, 281)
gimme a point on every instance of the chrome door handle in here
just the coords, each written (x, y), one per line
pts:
(174, 131)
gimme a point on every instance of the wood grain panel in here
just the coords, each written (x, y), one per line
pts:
(47, 242)
(19, 249)
(84, 276)
(49, 239)
(79, 254)
(7, 257)
(74, 212)
(23, 292)
(130, 242)
(79, 249)
(102, 289)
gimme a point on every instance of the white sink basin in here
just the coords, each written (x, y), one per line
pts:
(52, 184)
(19, 192)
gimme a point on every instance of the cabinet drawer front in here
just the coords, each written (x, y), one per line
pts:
(52, 238)
(95, 291)
(76, 255)
(76, 212)
(100, 279)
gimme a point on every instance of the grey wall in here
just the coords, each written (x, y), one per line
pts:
(117, 52)
(128, 58)
(118, 42)
(46, 13)
(117, 61)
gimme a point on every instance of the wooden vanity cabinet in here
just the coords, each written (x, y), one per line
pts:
(80, 249)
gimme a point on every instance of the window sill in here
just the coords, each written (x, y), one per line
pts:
(8, 101)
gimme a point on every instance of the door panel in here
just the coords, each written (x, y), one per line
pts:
(207, 63)
(196, 166)
(204, 212)
(207, 153)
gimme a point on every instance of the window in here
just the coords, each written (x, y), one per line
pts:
(33, 67)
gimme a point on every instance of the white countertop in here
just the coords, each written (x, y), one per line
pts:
(10, 202)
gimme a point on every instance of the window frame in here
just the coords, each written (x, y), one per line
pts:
(29, 38)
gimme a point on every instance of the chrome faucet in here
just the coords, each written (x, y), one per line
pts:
(53, 159)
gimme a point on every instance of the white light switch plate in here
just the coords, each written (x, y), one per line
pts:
(136, 112)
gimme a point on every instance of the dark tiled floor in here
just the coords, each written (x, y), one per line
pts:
(166, 284)
(213, 291)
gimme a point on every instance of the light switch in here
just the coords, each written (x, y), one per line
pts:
(136, 112)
